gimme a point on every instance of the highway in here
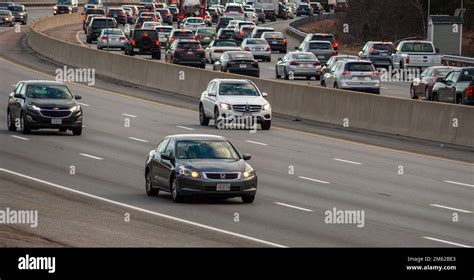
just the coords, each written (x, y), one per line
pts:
(301, 176)
(74, 34)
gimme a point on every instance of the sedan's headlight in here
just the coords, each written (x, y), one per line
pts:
(226, 106)
(188, 172)
(75, 108)
(266, 107)
(55, 7)
(249, 172)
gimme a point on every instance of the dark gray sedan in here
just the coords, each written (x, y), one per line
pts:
(199, 165)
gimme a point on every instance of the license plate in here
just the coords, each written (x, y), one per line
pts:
(222, 187)
(56, 121)
(321, 56)
(258, 50)
(305, 65)
(243, 65)
(384, 54)
(206, 38)
(274, 42)
(190, 52)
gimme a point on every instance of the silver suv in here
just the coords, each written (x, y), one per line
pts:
(359, 75)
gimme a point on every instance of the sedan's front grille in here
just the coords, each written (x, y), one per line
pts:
(247, 108)
(222, 176)
(56, 113)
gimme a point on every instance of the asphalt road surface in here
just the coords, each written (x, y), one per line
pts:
(407, 199)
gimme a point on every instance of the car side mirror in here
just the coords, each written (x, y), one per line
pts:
(211, 94)
(264, 94)
(280, 59)
(165, 157)
(246, 156)
(440, 80)
(17, 95)
(361, 54)
(297, 48)
(77, 97)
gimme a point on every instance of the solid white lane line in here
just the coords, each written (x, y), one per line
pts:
(314, 180)
(19, 137)
(145, 210)
(128, 115)
(450, 208)
(447, 242)
(257, 143)
(347, 161)
(138, 139)
(91, 156)
(295, 207)
(183, 127)
(461, 184)
(83, 104)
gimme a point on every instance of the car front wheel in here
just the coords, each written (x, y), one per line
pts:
(175, 196)
(10, 122)
(248, 199)
(150, 191)
(266, 125)
(25, 127)
(203, 120)
(77, 130)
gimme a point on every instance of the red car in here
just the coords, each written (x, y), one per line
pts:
(423, 85)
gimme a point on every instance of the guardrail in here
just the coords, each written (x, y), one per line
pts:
(430, 121)
(293, 26)
(458, 60)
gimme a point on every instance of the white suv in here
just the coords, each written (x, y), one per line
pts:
(234, 103)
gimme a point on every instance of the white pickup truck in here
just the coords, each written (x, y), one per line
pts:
(416, 54)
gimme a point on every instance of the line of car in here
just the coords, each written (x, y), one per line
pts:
(11, 13)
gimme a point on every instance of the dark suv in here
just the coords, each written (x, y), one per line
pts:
(186, 52)
(144, 41)
(43, 104)
(19, 13)
(96, 26)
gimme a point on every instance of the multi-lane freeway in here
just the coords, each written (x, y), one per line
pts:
(409, 198)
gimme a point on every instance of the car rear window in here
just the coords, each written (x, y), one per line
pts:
(206, 31)
(113, 31)
(273, 35)
(256, 42)
(101, 22)
(233, 9)
(227, 32)
(140, 34)
(163, 29)
(95, 12)
(320, 46)
(240, 55)
(194, 20)
(188, 45)
(183, 34)
(329, 38)
(303, 56)
(225, 44)
(359, 67)
(417, 47)
(383, 47)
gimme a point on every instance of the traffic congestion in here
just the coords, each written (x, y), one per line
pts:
(216, 114)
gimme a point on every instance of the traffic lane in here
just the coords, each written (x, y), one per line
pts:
(97, 141)
(95, 223)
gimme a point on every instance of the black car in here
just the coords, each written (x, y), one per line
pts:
(65, 7)
(6, 17)
(119, 15)
(457, 87)
(304, 9)
(199, 165)
(261, 15)
(226, 34)
(222, 23)
(276, 40)
(143, 41)
(186, 52)
(91, 12)
(317, 8)
(282, 11)
(166, 15)
(19, 13)
(43, 104)
(174, 12)
(214, 13)
(96, 26)
(238, 62)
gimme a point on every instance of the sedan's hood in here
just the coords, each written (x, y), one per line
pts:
(236, 99)
(214, 165)
(52, 103)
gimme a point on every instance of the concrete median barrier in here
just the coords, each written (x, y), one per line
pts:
(443, 123)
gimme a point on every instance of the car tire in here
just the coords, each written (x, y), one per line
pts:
(412, 93)
(323, 83)
(276, 73)
(269, 59)
(318, 78)
(336, 86)
(247, 199)
(458, 99)
(150, 191)
(88, 40)
(309, 77)
(203, 120)
(24, 126)
(10, 122)
(266, 125)
(434, 96)
(175, 196)
(77, 131)
(427, 95)
(285, 74)
(216, 117)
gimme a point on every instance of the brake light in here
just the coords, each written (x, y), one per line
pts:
(247, 49)
(122, 14)
(84, 17)
(334, 53)
(103, 37)
(122, 38)
(292, 62)
(317, 63)
(442, 61)
(470, 91)
(198, 36)
(172, 39)
(285, 40)
(157, 42)
(134, 43)
(376, 73)
(268, 49)
(346, 73)
(407, 60)
(335, 45)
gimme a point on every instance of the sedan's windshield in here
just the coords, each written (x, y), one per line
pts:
(225, 44)
(205, 149)
(237, 88)
(48, 92)
(65, 2)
